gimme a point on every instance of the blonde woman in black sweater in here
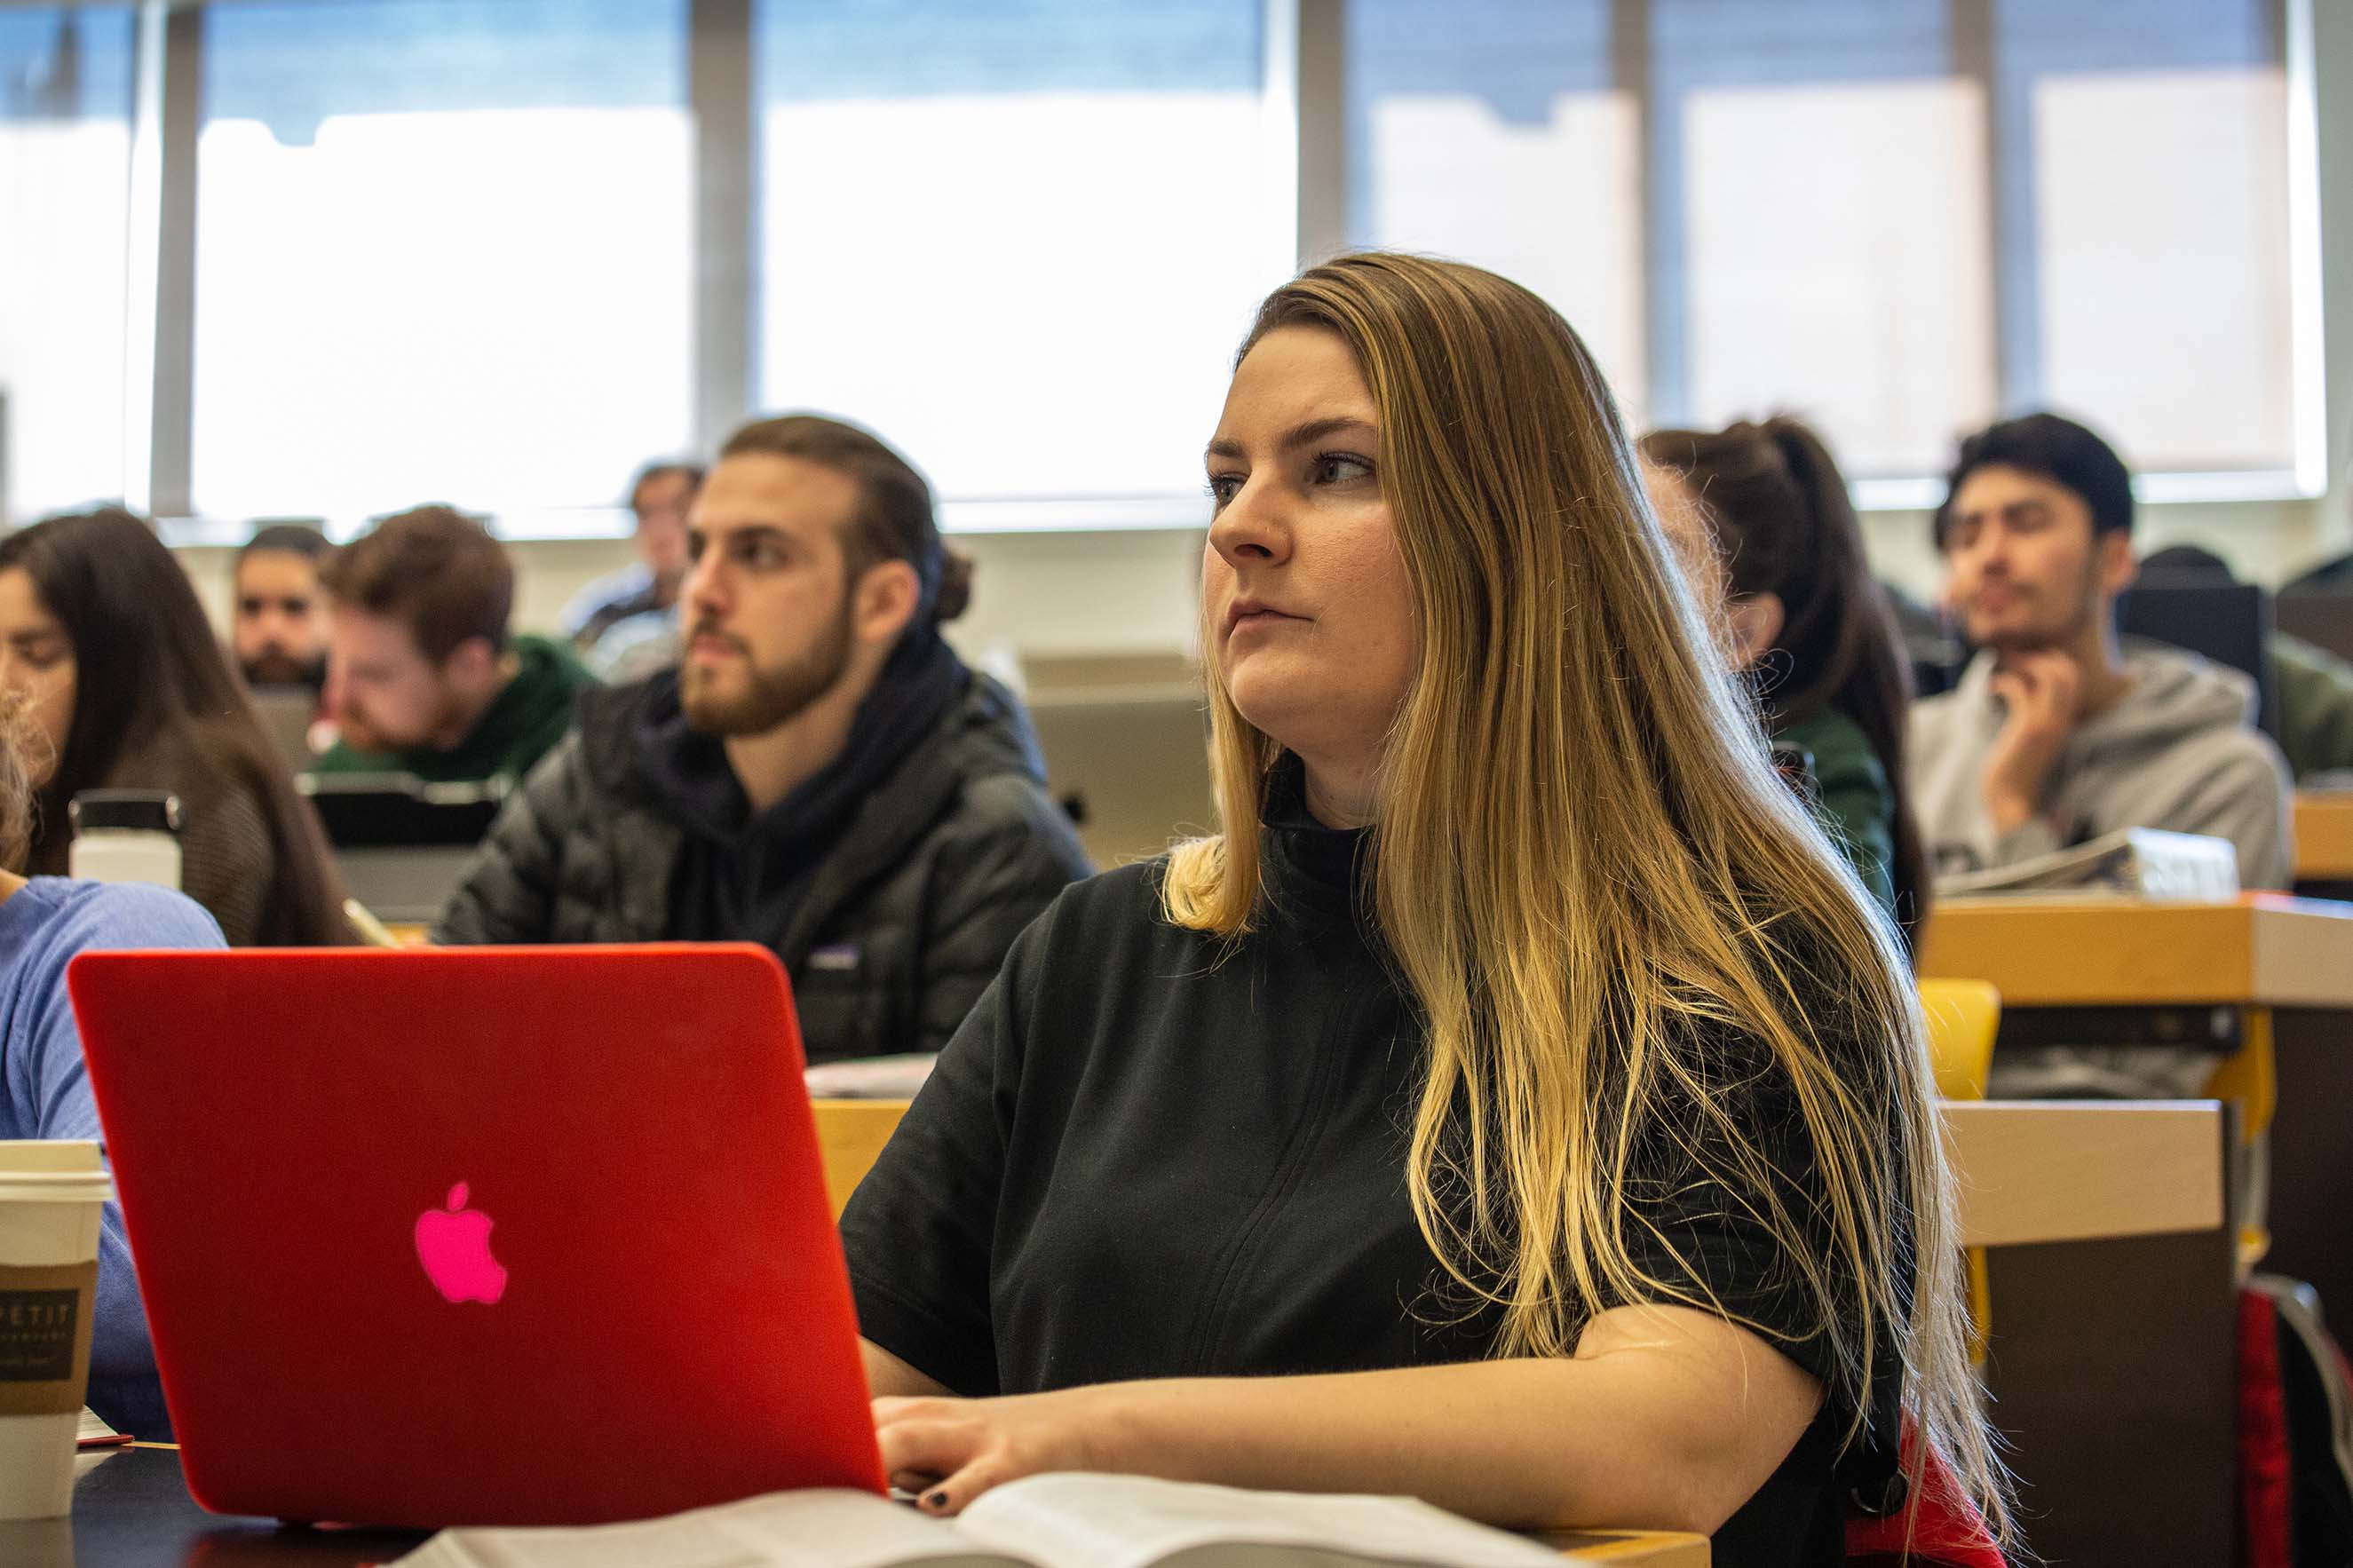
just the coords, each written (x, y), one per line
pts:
(1517, 1103)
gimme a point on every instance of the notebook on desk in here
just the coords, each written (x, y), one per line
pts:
(491, 1236)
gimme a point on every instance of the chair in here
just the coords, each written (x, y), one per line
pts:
(1964, 1016)
(2229, 624)
(850, 1136)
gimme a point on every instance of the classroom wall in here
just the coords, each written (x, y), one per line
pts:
(1068, 595)
(1052, 593)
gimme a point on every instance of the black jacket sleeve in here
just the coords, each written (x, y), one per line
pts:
(507, 892)
(989, 886)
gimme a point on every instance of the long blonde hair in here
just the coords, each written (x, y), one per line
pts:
(1584, 868)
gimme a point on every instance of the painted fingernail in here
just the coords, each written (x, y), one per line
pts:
(935, 1499)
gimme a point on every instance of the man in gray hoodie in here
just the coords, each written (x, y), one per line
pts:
(2057, 733)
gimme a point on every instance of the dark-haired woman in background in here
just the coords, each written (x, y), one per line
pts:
(1804, 613)
(102, 640)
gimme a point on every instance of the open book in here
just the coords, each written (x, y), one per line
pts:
(96, 1441)
(1066, 1521)
(2137, 862)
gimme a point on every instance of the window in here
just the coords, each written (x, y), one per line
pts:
(444, 250)
(499, 252)
(1827, 200)
(1853, 210)
(65, 177)
(2145, 176)
(1493, 131)
(1019, 241)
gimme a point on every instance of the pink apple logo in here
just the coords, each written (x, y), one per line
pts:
(454, 1245)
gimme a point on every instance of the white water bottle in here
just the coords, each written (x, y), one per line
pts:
(125, 836)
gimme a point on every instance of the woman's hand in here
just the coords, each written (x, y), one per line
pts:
(949, 1451)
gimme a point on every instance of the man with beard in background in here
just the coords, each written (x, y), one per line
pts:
(279, 622)
(821, 774)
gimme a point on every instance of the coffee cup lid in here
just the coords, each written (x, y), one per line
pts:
(56, 1186)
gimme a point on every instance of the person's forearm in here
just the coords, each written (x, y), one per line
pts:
(1522, 1444)
(2008, 810)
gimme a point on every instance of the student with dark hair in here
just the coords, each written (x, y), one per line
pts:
(45, 922)
(278, 626)
(638, 605)
(2057, 733)
(1805, 617)
(821, 773)
(423, 677)
(107, 644)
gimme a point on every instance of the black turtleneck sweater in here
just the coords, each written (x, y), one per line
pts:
(1147, 1156)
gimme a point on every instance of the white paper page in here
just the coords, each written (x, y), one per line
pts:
(852, 1529)
(93, 1425)
(835, 1529)
(1075, 1520)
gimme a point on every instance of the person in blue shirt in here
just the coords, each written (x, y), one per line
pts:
(624, 624)
(43, 1087)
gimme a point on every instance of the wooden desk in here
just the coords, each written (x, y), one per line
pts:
(2324, 836)
(2264, 950)
(1648, 1548)
(2158, 972)
(2040, 1172)
(2110, 1354)
(2098, 1204)
(134, 1512)
(2112, 1361)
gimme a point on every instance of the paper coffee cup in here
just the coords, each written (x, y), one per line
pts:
(51, 1193)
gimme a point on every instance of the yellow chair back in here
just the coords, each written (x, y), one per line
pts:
(1964, 1016)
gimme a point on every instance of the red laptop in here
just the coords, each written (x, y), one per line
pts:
(499, 1236)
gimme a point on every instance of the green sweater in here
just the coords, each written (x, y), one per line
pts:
(1858, 809)
(521, 725)
(2315, 705)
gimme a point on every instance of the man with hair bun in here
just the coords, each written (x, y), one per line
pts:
(821, 773)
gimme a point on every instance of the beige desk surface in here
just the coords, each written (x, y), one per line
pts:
(2324, 836)
(2266, 949)
(2034, 1170)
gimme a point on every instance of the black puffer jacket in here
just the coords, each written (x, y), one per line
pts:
(905, 921)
